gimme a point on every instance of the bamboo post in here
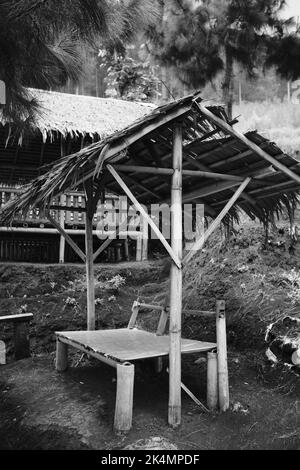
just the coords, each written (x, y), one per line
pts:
(61, 356)
(124, 397)
(89, 252)
(126, 249)
(62, 241)
(212, 380)
(21, 337)
(176, 282)
(145, 231)
(222, 357)
(2, 353)
(139, 242)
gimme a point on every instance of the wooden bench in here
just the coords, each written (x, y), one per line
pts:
(120, 347)
(21, 333)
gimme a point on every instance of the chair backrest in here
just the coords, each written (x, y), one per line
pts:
(164, 314)
(163, 319)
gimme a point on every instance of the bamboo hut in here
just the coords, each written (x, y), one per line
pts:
(64, 124)
(182, 152)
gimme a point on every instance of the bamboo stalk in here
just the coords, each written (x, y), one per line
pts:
(2, 353)
(89, 259)
(62, 241)
(242, 138)
(176, 283)
(212, 380)
(61, 356)
(124, 397)
(201, 241)
(169, 172)
(222, 357)
(144, 214)
(67, 237)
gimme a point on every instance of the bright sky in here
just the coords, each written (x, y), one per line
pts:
(293, 8)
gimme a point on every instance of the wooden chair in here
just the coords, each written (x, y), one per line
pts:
(21, 333)
(120, 347)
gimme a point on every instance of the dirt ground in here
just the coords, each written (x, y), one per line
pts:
(43, 409)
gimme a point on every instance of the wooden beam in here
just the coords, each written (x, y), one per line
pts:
(140, 185)
(242, 138)
(198, 245)
(144, 214)
(112, 152)
(208, 190)
(170, 171)
(67, 237)
(176, 283)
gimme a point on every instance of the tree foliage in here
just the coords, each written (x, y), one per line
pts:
(203, 38)
(40, 42)
(128, 77)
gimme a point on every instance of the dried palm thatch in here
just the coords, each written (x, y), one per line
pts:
(149, 142)
(76, 115)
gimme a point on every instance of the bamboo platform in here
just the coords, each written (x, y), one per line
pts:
(128, 345)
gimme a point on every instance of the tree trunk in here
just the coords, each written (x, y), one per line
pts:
(227, 85)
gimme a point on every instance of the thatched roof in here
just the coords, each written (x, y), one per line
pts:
(73, 115)
(207, 146)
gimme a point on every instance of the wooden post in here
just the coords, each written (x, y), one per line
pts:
(139, 242)
(222, 357)
(176, 283)
(212, 380)
(145, 231)
(61, 356)
(21, 335)
(2, 353)
(126, 249)
(62, 241)
(124, 397)
(89, 253)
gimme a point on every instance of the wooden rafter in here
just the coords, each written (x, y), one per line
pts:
(242, 138)
(144, 214)
(67, 238)
(198, 245)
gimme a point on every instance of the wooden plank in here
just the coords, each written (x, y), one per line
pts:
(200, 243)
(176, 283)
(259, 151)
(68, 238)
(23, 317)
(144, 214)
(85, 349)
(134, 314)
(128, 345)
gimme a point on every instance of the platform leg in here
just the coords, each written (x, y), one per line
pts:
(22, 344)
(159, 364)
(61, 356)
(212, 381)
(223, 382)
(124, 397)
(2, 353)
